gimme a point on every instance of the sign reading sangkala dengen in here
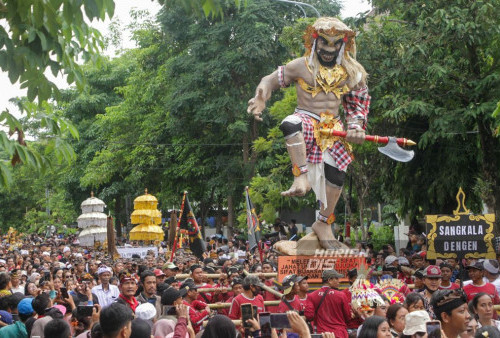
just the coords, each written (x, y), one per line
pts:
(461, 235)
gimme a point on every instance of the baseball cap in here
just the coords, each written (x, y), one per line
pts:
(170, 295)
(419, 273)
(491, 265)
(252, 280)
(236, 281)
(158, 272)
(170, 280)
(170, 266)
(288, 283)
(5, 317)
(145, 311)
(300, 278)
(432, 271)
(189, 285)
(415, 322)
(24, 307)
(475, 265)
(332, 273)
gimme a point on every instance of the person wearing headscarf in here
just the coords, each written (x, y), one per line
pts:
(219, 327)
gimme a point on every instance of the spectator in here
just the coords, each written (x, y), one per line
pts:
(375, 327)
(478, 284)
(450, 308)
(106, 293)
(116, 321)
(396, 314)
(140, 329)
(219, 327)
(414, 302)
(483, 308)
(415, 324)
(492, 273)
(148, 295)
(487, 331)
(57, 328)
(18, 329)
(128, 288)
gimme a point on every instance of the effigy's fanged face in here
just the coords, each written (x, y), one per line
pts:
(328, 49)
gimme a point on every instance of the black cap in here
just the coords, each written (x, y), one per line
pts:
(188, 285)
(170, 295)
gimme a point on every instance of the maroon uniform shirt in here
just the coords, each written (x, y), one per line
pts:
(333, 314)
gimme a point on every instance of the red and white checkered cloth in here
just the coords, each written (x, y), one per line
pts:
(356, 105)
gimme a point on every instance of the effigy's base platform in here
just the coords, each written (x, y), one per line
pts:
(307, 246)
(307, 258)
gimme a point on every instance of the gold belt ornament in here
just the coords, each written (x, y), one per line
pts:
(329, 121)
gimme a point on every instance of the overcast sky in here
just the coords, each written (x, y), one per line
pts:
(122, 10)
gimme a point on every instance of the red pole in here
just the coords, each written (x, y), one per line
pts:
(177, 230)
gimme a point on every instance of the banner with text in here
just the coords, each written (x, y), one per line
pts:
(142, 251)
(313, 266)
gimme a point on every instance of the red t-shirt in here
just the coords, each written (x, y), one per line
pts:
(269, 296)
(295, 304)
(452, 286)
(235, 311)
(471, 290)
(354, 321)
(334, 313)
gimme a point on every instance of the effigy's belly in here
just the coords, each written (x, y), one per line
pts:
(321, 103)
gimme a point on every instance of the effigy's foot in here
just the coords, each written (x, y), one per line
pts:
(325, 237)
(300, 187)
(309, 245)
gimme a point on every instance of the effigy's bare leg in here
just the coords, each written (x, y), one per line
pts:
(321, 228)
(297, 150)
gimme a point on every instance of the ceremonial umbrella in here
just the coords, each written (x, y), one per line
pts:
(93, 221)
(147, 216)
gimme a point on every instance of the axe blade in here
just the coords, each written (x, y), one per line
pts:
(396, 152)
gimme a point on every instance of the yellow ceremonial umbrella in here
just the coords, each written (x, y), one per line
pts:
(147, 216)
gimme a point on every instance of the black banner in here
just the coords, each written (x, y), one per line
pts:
(460, 236)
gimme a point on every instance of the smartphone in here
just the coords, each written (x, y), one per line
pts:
(64, 293)
(255, 311)
(246, 313)
(316, 335)
(433, 329)
(46, 275)
(265, 324)
(280, 321)
(84, 310)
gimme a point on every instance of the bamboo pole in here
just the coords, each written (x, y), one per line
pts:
(265, 287)
(216, 306)
(218, 275)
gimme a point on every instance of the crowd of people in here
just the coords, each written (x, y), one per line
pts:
(52, 288)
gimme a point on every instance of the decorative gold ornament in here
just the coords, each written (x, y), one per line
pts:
(330, 219)
(328, 121)
(296, 170)
(329, 80)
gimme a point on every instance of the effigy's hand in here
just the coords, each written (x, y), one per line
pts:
(356, 136)
(257, 104)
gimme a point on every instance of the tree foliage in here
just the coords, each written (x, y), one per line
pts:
(37, 36)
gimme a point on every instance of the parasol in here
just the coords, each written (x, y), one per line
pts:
(147, 216)
(93, 221)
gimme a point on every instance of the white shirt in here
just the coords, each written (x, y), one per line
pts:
(106, 297)
(20, 288)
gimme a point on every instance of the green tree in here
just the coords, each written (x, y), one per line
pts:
(435, 77)
(39, 35)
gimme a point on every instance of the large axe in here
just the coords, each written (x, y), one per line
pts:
(392, 149)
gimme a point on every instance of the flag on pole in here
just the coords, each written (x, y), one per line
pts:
(252, 223)
(188, 222)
